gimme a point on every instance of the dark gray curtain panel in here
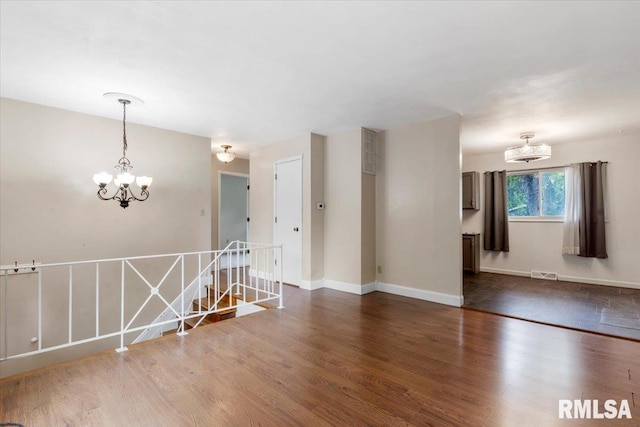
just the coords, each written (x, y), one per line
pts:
(496, 224)
(592, 235)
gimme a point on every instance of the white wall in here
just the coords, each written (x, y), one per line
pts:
(538, 246)
(49, 210)
(418, 242)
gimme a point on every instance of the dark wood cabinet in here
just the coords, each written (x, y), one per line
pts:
(470, 190)
(471, 252)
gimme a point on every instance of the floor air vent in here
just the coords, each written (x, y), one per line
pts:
(544, 275)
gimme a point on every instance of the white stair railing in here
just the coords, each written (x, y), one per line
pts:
(129, 295)
(184, 300)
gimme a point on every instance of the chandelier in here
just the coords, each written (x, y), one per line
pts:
(123, 180)
(225, 156)
(528, 152)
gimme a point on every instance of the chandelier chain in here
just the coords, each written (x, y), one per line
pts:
(124, 129)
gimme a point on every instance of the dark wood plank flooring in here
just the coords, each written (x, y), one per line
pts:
(601, 309)
(331, 358)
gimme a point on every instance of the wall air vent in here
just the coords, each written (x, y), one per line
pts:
(369, 151)
(545, 275)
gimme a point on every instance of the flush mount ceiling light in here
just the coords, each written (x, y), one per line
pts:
(528, 152)
(225, 156)
(124, 179)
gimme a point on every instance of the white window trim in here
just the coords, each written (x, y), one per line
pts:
(536, 219)
(539, 218)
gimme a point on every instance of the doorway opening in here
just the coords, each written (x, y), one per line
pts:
(233, 208)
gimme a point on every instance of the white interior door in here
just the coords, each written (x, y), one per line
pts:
(233, 209)
(288, 218)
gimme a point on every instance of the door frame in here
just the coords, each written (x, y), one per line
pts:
(299, 157)
(244, 175)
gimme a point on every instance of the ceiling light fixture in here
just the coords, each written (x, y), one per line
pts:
(225, 156)
(528, 152)
(124, 179)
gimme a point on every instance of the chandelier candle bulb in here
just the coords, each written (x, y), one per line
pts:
(124, 178)
(102, 178)
(144, 181)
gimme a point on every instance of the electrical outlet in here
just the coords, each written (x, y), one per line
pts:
(379, 269)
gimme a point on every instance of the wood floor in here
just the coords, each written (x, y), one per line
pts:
(601, 309)
(331, 358)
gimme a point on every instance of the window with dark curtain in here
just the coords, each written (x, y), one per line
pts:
(496, 225)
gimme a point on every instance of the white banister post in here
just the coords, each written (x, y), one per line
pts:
(122, 347)
(70, 304)
(5, 283)
(281, 287)
(97, 299)
(181, 329)
(40, 309)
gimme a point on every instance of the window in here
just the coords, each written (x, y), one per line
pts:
(536, 194)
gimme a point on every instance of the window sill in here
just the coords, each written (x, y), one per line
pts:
(536, 219)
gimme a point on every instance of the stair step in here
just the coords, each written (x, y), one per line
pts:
(223, 305)
(251, 296)
(191, 323)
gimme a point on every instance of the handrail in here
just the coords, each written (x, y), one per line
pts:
(250, 268)
(93, 261)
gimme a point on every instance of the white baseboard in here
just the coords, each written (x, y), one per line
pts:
(351, 288)
(312, 285)
(369, 287)
(439, 297)
(594, 281)
(503, 271)
(576, 279)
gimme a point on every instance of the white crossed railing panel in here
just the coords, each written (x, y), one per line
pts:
(131, 295)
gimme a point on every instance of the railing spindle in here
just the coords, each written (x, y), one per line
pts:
(181, 330)
(70, 304)
(122, 347)
(40, 309)
(281, 288)
(5, 329)
(97, 299)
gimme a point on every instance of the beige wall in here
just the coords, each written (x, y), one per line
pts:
(538, 245)
(49, 210)
(236, 166)
(316, 245)
(310, 147)
(343, 192)
(368, 230)
(418, 207)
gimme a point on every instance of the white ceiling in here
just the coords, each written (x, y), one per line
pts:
(258, 72)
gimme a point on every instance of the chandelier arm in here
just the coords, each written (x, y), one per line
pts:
(103, 190)
(144, 195)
